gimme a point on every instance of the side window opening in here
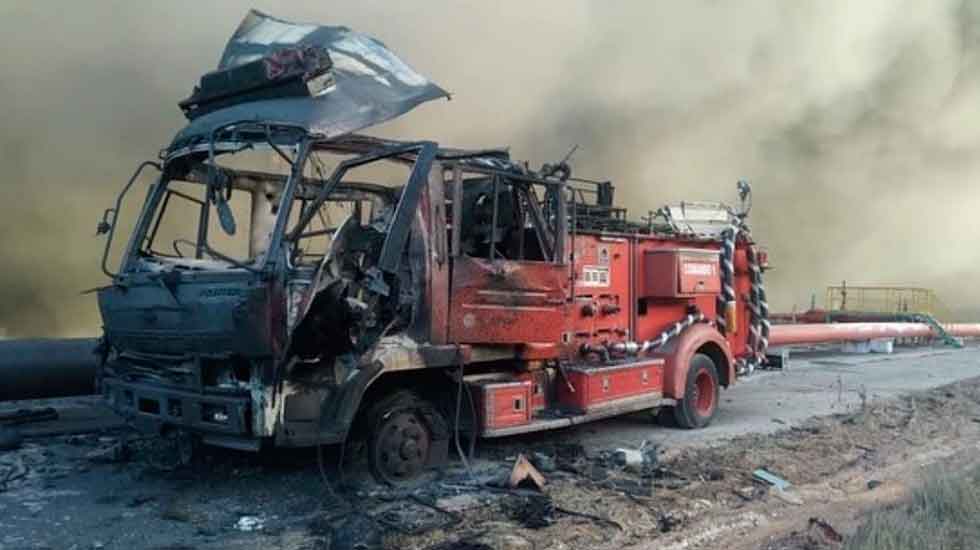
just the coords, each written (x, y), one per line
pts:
(313, 242)
(503, 218)
(357, 200)
(339, 225)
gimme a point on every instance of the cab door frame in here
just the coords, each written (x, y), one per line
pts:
(510, 301)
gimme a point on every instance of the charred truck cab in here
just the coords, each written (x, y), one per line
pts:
(226, 343)
(399, 292)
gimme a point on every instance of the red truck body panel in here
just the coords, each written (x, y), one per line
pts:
(596, 386)
(506, 302)
(504, 404)
(611, 289)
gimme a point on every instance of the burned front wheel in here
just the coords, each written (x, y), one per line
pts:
(701, 393)
(401, 438)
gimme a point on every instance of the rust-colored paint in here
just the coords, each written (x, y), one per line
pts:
(504, 404)
(658, 314)
(433, 209)
(596, 386)
(540, 381)
(506, 302)
(682, 272)
(600, 308)
(643, 317)
(537, 351)
(738, 339)
(677, 356)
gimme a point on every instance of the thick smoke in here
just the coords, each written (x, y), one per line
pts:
(858, 123)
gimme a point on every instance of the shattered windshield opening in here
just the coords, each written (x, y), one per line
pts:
(177, 225)
(216, 214)
(185, 225)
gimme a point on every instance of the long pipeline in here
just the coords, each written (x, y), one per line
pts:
(39, 369)
(783, 335)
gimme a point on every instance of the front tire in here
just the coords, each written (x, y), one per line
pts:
(400, 438)
(701, 393)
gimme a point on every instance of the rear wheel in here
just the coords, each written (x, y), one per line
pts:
(700, 402)
(400, 438)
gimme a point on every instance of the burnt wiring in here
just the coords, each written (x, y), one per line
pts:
(454, 518)
(319, 451)
(459, 405)
(343, 440)
(469, 397)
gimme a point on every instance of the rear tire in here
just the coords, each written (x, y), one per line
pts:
(701, 392)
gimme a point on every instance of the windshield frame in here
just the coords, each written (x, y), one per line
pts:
(280, 138)
(179, 169)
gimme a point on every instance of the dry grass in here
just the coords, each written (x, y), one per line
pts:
(944, 514)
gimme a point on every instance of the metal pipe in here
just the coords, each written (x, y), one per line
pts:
(39, 369)
(634, 348)
(783, 335)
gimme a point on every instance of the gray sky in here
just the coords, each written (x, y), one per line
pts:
(857, 122)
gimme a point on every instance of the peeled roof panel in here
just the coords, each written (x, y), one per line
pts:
(372, 84)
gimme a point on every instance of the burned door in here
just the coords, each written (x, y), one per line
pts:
(364, 282)
(508, 279)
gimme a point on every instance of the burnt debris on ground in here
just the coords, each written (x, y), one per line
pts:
(597, 499)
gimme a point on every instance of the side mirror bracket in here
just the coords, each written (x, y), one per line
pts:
(107, 226)
(107, 222)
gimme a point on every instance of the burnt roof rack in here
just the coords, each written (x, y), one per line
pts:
(294, 71)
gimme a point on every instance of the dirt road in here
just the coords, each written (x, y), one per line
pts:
(816, 383)
(830, 425)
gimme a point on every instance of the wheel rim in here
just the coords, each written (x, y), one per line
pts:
(401, 449)
(704, 394)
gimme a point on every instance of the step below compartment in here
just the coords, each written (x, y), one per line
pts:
(597, 387)
(502, 404)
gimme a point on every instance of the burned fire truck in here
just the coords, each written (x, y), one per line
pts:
(401, 293)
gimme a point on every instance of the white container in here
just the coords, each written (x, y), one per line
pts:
(861, 346)
(883, 345)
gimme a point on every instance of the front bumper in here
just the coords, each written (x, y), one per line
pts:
(150, 408)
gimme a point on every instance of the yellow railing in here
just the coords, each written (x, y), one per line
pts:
(885, 299)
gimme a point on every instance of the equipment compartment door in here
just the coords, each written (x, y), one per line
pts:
(506, 301)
